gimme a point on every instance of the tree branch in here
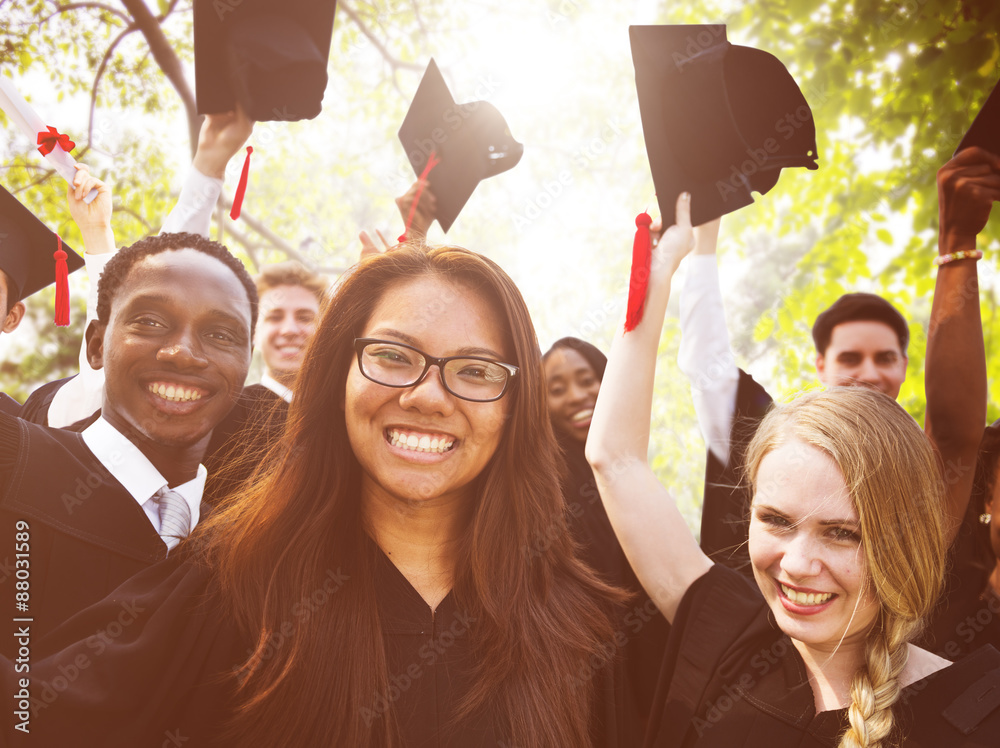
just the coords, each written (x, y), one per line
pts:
(167, 59)
(394, 62)
(96, 6)
(100, 73)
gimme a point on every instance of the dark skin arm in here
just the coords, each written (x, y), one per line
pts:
(955, 375)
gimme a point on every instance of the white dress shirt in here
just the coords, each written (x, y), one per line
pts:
(276, 387)
(84, 394)
(705, 355)
(136, 473)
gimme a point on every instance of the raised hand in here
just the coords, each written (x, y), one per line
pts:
(426, 210)
(93, 220)
(221, 137)
(968, 185)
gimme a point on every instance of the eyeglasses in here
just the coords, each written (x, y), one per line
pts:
(392, 364)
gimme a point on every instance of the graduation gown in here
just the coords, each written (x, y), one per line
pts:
(168, 668)
(732, 678)
(725, 512)
(36, 407)
(641, 623)
(82, 532)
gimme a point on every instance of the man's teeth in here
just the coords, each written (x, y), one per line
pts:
(583, 415)
(175, 393)
(420, 442)
(803, 598)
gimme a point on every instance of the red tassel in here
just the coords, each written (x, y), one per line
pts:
(431, 163)
(62, 286)
(642, 253)
(241, 187)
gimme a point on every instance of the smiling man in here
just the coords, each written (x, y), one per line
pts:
(291, 301)
(98, 506)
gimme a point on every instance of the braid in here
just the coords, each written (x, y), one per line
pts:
(875, 687)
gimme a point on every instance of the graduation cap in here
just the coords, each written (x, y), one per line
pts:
(720, 121)
(985, 130)
(270, 55)
(29, 256)
(470, 142)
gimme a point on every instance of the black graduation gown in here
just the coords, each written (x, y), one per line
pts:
(643, 627)
(36, 407)
(725, 512)
(968, 613)
(156, 658)
(732, 679)
(83, 532)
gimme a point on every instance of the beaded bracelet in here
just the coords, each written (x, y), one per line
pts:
(970, 254)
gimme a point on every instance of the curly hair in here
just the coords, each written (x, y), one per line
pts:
(891, 473)
(118, 268)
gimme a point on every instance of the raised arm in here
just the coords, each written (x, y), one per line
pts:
(705, 355)
(955, 376)
(83, 394)
(221, 137)
(652, 532)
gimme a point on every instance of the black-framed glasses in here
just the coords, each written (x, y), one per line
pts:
(393, 364)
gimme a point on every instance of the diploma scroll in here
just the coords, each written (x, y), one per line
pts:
(28, 122)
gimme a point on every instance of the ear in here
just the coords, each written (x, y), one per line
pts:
(95, 344)
(14, 317)
(821, 367)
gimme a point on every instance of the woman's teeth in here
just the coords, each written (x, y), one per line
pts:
(582, 415)
(174, 393)
(420, 442)
(803, 598)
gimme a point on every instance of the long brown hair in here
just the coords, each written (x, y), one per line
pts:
(540, 617)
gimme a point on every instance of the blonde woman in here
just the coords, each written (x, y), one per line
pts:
(847, 546)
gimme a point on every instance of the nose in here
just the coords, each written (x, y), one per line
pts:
(801, 558)
(868, 372)
(184, 351)
(576, 394)
(290, 326)
(429, 395)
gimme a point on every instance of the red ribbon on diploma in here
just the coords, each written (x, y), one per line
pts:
(48, 140)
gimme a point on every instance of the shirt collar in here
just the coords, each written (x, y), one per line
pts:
(276, 387)
(134, 471)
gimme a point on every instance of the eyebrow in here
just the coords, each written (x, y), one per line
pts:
(410, 340)
(824, 522)
(138, 301)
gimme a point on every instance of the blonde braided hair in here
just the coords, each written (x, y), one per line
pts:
(892, 475)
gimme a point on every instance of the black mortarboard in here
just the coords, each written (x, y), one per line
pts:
(27, 249)
(270, 55)
(985, 130)
(471, 141)
(720, 121)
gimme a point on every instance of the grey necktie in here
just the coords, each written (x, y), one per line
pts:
(175, 516)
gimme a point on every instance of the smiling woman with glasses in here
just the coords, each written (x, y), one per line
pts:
(379, 581)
